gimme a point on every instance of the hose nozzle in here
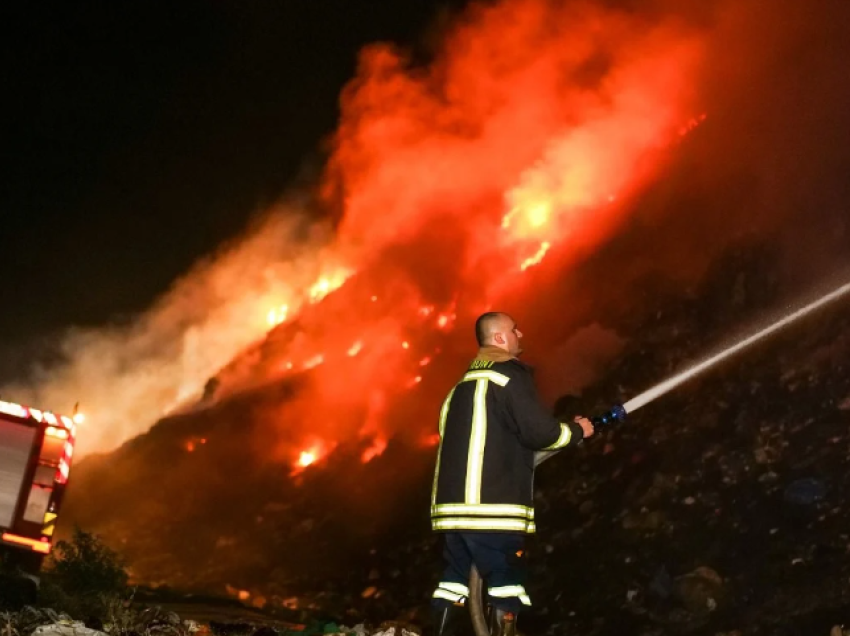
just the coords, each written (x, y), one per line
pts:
(614, 415)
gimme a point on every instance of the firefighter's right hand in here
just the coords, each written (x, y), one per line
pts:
(586, 425)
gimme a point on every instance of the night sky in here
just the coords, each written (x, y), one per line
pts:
(142, 135)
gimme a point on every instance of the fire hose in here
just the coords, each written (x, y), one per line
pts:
(476, 584)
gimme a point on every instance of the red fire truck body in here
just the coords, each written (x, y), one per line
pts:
(35, 458)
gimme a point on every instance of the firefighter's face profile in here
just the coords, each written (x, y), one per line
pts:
(508, 336)
(514, 336)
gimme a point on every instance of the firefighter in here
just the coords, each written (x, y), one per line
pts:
(491, 424)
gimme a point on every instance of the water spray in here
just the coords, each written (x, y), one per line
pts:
(617, 414)
(668, 385)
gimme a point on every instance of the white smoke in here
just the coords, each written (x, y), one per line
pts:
(126, 377)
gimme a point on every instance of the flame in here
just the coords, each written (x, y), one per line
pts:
(378, 446)
(506, 149)
(307, 457)
(326, 284)
(538, 256)
(444, 320)
(277, 315)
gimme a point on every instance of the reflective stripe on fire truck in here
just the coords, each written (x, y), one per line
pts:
(37, 546)
(49, 525)
(563, 438)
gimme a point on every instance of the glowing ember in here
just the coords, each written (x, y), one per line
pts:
(192, 444)
(425, 361)
(405, 345)
(314, 361)
(431, 440)
(355, 348)
(538, 256)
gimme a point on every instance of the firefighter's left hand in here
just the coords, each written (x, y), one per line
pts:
(586, 426)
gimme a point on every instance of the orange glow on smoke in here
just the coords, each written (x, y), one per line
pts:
(522, 144)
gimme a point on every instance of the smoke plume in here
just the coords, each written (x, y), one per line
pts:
(547, 157)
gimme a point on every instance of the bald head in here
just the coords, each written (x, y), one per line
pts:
(498, 329)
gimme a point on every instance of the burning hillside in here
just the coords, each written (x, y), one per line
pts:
(524, 140)
(754, 452)
(535, 150)
(580, 166)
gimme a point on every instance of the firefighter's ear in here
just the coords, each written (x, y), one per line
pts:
(498, 337)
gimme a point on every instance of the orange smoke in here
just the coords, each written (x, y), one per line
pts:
(531, 121)
(526, 136)
(522, 142)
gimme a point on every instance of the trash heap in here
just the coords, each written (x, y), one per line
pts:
(132, 621)
(716, 510)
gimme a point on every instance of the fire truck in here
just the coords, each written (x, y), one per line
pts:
(35, 458)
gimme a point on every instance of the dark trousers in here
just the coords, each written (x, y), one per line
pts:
(501, 562)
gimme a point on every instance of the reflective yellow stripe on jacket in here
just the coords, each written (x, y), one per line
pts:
(444, 411)
(563, 439)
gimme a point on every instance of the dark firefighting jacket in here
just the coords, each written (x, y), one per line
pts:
(491, 424)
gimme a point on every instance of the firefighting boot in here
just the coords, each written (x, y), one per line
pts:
(502, 623)
(449, 620)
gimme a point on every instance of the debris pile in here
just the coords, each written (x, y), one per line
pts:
(130, 620)
(716, 510)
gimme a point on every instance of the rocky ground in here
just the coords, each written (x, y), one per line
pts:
(718, 509)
